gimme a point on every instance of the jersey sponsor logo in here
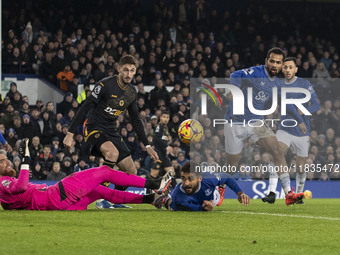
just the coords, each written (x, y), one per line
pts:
(114, 96)
(111, 111)
(208, 192)
(6, 183)
(261, 96)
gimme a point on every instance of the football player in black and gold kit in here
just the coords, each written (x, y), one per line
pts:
(111, 97)
(161, 141)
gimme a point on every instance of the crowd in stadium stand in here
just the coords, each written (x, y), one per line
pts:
(70, 47)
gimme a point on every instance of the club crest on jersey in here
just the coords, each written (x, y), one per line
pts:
(6, 183)
(208, 192)
(121, 103)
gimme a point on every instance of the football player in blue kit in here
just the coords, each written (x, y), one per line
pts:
(295, 137)
(262, 79)
(199, 191)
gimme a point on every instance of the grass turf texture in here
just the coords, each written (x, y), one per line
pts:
(230, 229)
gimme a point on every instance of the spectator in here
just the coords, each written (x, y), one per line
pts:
(82, 165)
(19, 131)
(12, 90)
(45, 160)
(48, 129)
(181, 158)
(55, 174)
(65, 77)
(158, 93)
(66, 166)
(66, 104)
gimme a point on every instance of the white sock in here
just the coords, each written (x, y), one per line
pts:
(300, 182)
(285, 182)
(273, 179)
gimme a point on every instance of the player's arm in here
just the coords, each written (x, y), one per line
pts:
(21, 184)
(232, 184)
(97, 94)
(139, 129)
(314, 102)
(4, 143)
(78, 118)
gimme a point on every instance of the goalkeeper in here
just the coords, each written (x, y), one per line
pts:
(197, 193)
(75, 192)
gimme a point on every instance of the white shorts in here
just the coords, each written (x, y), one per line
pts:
(236, 135)
(299, 144)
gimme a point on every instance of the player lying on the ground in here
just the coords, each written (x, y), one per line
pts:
(75, 192)
(197, 191)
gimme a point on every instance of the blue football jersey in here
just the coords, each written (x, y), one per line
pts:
(312, 106)
(257, 78)
(183, 202)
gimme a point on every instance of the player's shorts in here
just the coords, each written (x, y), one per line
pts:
(236, 135)
(299, 144)
(95, 138)
(162, 163)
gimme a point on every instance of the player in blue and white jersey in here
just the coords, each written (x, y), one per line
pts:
(198, 192)
(296, 137)
(262, 79)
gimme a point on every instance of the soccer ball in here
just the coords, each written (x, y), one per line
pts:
(190, 131)
(307, 194)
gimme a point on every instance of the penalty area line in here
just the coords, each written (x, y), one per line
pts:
(281, 215)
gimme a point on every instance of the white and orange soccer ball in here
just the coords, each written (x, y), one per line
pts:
(190, 131)
(307, 194)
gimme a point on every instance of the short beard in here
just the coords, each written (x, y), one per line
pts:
(194, 189)
(122, 81)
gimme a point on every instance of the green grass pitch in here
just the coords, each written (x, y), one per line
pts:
(259, 228)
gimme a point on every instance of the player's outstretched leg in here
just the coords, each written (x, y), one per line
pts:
(80, 184)
(113, 196)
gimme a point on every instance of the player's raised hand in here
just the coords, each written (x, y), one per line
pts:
(243, 198)
(152, 153)
(68, 140)
(208, 205)
(303, 128)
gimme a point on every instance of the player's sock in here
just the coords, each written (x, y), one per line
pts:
(152, 182)
(300, 182)
(121, 188)
(121, 197)
(273, 179)
(148, 199)
(285, 182)
(109, 163)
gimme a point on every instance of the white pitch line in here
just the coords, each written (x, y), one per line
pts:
(281, 215)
